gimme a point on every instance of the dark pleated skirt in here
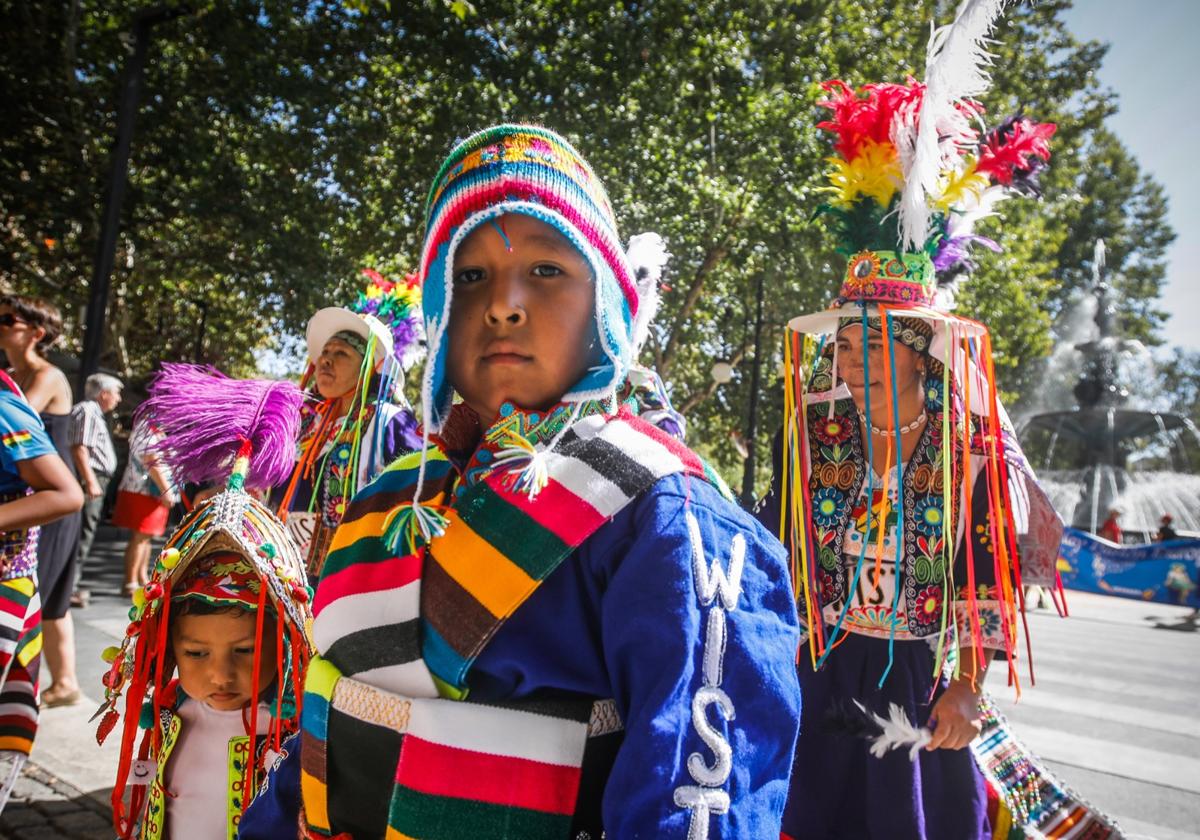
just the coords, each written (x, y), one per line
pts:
(839, 790)
(59, 540)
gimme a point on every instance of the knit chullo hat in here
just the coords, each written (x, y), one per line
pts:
(532, 171)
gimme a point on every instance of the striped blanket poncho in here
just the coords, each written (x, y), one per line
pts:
(397, 633)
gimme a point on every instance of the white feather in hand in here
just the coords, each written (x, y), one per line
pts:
(897, 732)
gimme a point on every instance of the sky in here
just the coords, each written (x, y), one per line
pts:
(1151, 65)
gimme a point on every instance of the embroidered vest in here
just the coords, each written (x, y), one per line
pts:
(837, 478)
(154, 823)
(398, 636)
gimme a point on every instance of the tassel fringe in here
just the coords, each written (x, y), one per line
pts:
(527, 471)
(411, 526)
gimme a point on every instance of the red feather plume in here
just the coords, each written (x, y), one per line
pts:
(858, 118)
(1009, 149)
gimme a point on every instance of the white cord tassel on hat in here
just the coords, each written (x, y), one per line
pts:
(647, 255)
(897, 732)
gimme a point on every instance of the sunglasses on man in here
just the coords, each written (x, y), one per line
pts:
(8, 319)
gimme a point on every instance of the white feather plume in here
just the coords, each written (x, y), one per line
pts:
(647, 254)
(956, 63)
(897, 732)
(974, 208)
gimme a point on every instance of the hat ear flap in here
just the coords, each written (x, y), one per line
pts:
(647, 255)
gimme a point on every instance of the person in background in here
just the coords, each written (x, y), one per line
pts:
(35, 488)
(144, 499)
(1166, 531)
(28, 328)
(356, 419)
(1111, 529)
(95, 462)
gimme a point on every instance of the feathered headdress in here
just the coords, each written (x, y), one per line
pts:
(398, 305)
(246, 431)
(912, 174)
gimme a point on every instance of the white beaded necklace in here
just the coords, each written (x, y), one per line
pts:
(911, 427)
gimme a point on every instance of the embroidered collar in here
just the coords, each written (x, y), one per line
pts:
(472, 449)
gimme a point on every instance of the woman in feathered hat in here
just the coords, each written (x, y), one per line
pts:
(899, 487)
(356, 420)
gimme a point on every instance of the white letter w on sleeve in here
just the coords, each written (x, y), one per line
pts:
(718, 589)
(712, 580)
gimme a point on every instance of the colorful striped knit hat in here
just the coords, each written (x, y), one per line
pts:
(533, 171)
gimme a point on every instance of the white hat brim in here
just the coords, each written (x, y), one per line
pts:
(332, 320)
(826, 322)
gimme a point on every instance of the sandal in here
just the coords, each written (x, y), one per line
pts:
(51, 699)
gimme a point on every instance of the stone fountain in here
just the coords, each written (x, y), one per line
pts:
(1105, 453)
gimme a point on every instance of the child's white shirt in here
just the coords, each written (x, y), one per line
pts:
(197, 782)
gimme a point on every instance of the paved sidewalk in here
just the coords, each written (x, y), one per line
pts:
(1114, 713)
(64, 790)
(44, 807)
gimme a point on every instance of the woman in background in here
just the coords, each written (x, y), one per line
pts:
(28, 328)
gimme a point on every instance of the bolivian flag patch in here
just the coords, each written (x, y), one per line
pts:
(16, 438)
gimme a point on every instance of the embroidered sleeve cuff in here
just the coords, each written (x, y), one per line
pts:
(989, 628)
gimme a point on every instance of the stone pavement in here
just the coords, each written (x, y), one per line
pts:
(64, 790)
(44, 807)
(1114, 713)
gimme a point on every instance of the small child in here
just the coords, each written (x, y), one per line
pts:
(214, 658)
(552, 622)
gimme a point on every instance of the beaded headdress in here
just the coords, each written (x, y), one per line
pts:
(248, 429)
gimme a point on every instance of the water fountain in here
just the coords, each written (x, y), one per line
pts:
(1104, 453)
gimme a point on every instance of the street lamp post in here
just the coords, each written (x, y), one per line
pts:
(749, 465)
(131, 88)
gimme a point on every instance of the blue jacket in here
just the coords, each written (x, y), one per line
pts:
(630, 616)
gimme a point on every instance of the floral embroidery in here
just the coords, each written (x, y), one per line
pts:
(828, 507)
(928, 515)
(341, 454)
(875, 618)
(929, 605)
(828, 589)
(832, 431)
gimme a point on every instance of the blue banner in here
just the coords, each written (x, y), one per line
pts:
(1166, 572)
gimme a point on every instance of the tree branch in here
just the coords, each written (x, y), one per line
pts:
(714, 256)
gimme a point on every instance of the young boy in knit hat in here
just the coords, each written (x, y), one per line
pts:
(552, 622)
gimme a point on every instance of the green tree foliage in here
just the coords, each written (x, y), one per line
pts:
(281, 146)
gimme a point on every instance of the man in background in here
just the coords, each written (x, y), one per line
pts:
(95, 461)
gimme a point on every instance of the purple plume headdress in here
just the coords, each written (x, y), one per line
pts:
(207, 420)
